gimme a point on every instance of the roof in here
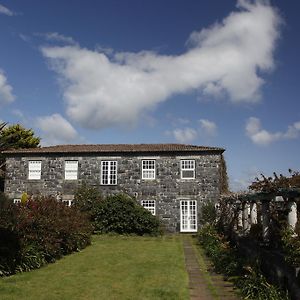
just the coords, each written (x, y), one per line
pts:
(115, 148)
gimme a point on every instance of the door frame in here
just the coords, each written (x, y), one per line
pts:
(189, 202)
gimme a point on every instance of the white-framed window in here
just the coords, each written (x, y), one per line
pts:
(149, 205)
(187, 167)
(16, 201)
(34, 169)
(71, 169)
(109, 172)
(148, 169)
(67, 202)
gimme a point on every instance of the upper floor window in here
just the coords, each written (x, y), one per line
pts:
(108, 172)
(149, 205)
(187, 169)
(148, 169)
(71, 170)
(34, 169)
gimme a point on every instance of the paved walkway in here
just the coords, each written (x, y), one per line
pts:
(204, 284)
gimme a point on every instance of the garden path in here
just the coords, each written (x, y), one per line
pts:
(204, 284)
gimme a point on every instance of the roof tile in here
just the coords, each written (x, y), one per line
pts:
(113, 148)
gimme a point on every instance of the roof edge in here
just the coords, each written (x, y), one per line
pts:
(114, 148)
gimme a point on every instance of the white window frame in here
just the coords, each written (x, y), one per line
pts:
(109, 176)
(187, 165)
(148, 172)
(17, 201)
(34, 169)
(149, 205)
(67, 202)
(71, 170)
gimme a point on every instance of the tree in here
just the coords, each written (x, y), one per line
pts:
(3, 146)
(16, 136)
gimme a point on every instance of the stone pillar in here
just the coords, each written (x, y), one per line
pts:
(265, 207)
(245, 216)
(292, 216)
(240, 216)
(232, 212)
(253, 213)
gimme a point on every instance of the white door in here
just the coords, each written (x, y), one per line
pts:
(188, 216)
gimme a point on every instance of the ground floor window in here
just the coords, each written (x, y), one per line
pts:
(67, 202)
(17, 201)
(149, 205)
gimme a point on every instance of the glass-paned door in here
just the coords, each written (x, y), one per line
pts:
(188, 216)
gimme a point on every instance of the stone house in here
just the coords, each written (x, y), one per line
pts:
(170, 180)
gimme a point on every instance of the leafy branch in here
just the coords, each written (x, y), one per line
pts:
(273, 184)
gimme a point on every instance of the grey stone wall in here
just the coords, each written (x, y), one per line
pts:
(167, 189)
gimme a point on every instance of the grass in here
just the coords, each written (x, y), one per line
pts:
(215, 283)
(203, 266)
(114, 267)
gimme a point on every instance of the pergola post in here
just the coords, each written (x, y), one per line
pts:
(253, 213)
(292, 215)
(245, 216)
(265, 210)
(240, 216)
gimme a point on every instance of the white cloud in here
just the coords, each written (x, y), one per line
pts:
(186, 135)
(208, 128)
(6, 11)
(56, 130)
(262, 137)
(182, 121)
(246, 177)
(177, 121)
(228, 58)
(24, 37)
(6, 91)
(258, 135)
(57, 37)
(293, 131)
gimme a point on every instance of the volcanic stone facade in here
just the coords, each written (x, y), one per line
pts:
(168, 189)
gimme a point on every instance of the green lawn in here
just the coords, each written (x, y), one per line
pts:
(114, 267)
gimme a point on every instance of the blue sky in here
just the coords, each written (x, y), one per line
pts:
(215, 73)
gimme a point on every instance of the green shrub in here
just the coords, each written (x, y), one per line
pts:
(87, 199)
(226, 260)
(290, 244)
(208, 213)
(4, 201)
(40, 231)
(255, 286)
(123, 215)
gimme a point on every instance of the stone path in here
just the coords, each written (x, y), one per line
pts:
(204, 284)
